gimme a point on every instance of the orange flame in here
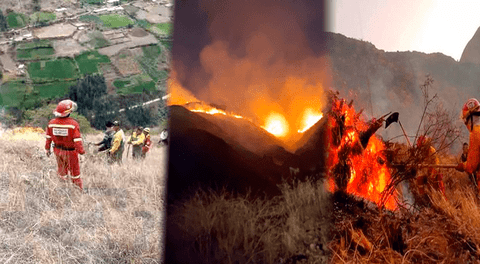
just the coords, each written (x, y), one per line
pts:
(276, 124)
(24, 133)
(368, 176)
(295, 110)
(310, 118)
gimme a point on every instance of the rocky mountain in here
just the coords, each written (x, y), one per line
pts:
(471, 53)
(380, 82)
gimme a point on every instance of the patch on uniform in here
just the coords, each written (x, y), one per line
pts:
(60, 132)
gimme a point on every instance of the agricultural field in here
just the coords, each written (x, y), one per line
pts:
(116, 21)
(54, 89)
(16, 20)
(166, 28)
(149, 62)
(134, 84)
(88, 61)
(61, 69)
(35, 50)
(12, 93)
(92, 2)
(97, 40)
(42, 17)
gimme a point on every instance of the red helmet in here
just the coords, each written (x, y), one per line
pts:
(471, 106)
(64, 108)
(422, 140)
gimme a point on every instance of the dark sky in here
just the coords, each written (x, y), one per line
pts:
(293, 28)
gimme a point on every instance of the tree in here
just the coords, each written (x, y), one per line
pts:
(85, 93)
(3, 22)
(105, 109)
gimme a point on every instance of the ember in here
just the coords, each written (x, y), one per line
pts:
(348, 157)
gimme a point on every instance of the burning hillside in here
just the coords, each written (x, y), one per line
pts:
(355, 156)
(267, 115)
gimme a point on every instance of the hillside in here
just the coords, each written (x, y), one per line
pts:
(381, 82)
(117, 219)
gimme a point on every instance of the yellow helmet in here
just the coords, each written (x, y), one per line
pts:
(147, 130)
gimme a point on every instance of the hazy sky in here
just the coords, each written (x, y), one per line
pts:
(417, 25)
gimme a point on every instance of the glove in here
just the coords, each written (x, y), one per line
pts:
(460, 167)
(48, 152)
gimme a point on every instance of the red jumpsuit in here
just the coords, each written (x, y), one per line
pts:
(65, 134)
(146, 145)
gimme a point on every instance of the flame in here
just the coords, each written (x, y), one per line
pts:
(24, 133)
(276, 124)
(368, 176)
(310, 118)
(295, 112)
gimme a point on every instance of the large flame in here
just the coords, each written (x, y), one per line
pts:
(302, 113)
(310, 118)
(24, 133)
(276, 124)
(369, 176)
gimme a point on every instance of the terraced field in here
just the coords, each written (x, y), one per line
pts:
(61, 69)
(134, 84)
(35, 50)
(88, 61)
(116, 21)
(12, 93)
(15, 20)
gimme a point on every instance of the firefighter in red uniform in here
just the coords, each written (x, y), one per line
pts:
(147, 143)
(65, 134)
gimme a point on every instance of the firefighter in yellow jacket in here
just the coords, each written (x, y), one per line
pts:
(137, 140)
(471, 119)
(116, 151)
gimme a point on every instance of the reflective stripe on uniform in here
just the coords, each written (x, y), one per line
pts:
(77, 139)
(47, 136)
(62, 126)
(75, 177)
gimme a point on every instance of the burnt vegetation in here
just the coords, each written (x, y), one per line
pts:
(305, 223)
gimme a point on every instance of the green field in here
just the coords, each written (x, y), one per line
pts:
(116, 21)
(166, 28)
(43, 43)
(16, 20)
(134, 84)
(35, 53)
(42, 17)
(60, 69)
(88, 61)
(149, 62)
(92, 2)
(54, 89)
(13, 92)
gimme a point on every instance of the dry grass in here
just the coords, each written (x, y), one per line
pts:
(303, 226)
(118, 218)
(223, 228)
(446, 232)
